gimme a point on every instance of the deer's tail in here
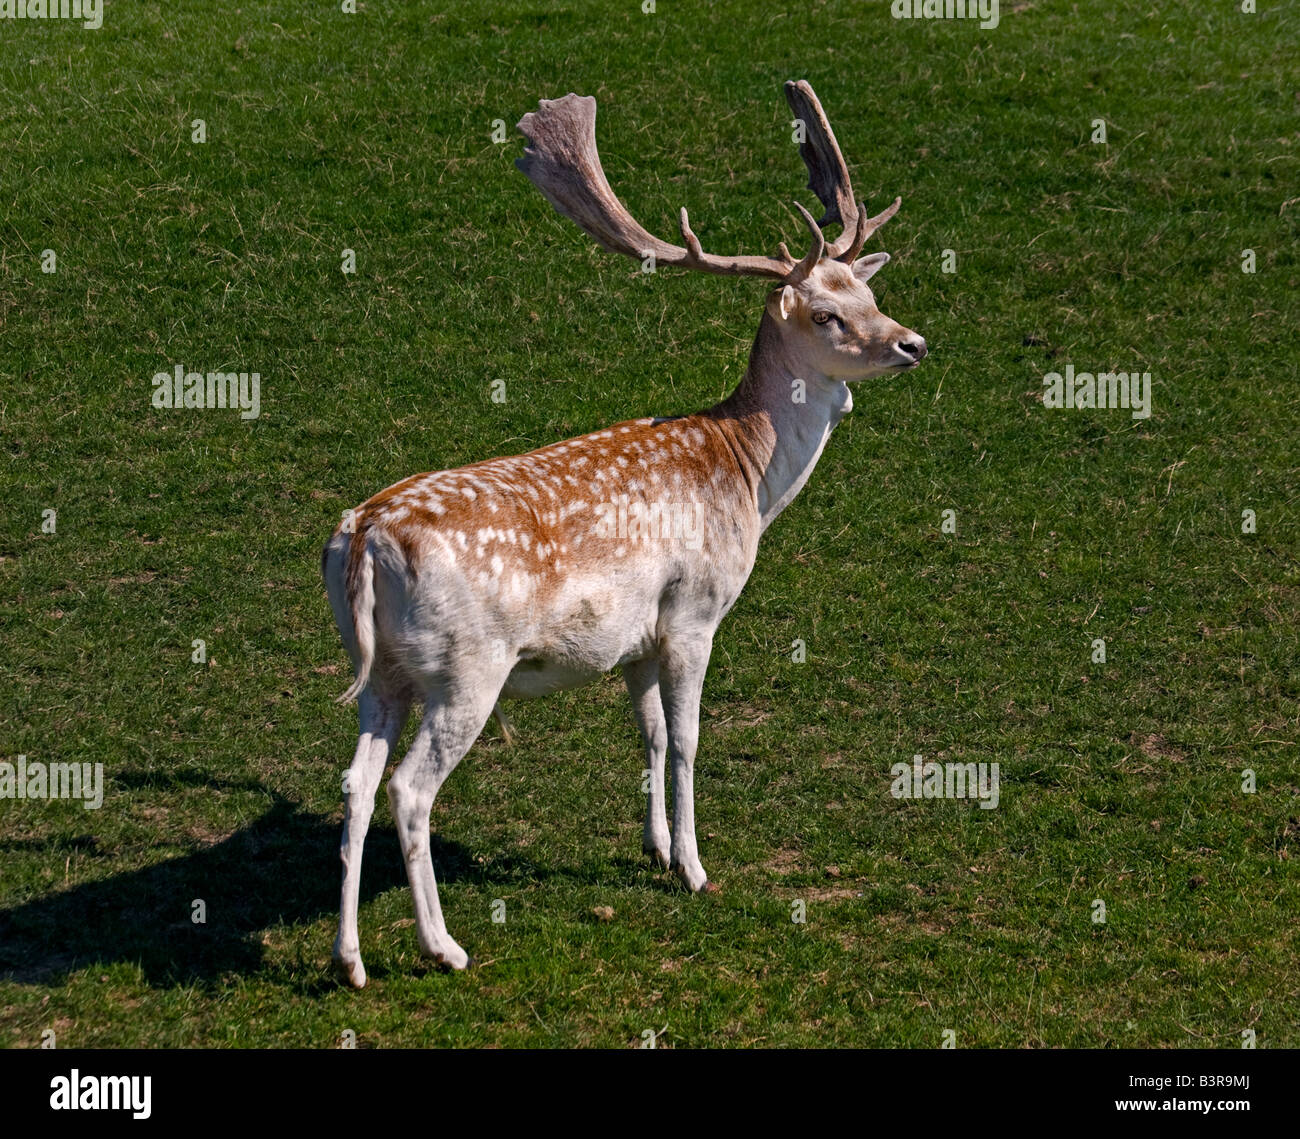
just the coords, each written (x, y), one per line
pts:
(360, 591)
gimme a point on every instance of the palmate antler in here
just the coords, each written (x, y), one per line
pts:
(562, 161)
(828, 177)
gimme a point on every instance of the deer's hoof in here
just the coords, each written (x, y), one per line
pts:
(694, 880)
(450, 962)
(351, 972)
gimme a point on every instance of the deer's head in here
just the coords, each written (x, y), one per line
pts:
(823, 309)
(829, 323)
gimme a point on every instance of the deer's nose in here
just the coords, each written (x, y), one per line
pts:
(912, 346)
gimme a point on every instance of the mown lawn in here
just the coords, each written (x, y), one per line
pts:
(1121, 781)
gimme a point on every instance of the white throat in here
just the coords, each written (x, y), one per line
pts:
(786, 415)
(802, 430)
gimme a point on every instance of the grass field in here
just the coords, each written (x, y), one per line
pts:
(1121, 781)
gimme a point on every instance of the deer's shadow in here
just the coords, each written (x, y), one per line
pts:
(281, 868)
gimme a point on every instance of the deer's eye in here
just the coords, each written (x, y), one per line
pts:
(822, 317)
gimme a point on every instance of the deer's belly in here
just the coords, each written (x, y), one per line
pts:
(584, 653)
(533, 678)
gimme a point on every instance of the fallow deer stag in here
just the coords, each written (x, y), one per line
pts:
(625, 548)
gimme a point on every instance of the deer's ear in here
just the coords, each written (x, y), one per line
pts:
(864, 268)
(787, 302)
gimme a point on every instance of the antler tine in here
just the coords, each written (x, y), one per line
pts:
(866, 227)
(809, 263)
(561, 160)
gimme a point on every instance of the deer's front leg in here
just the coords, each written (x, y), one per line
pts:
(682, 664)
(642, 679)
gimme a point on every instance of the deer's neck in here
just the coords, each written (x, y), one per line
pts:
(777, 421)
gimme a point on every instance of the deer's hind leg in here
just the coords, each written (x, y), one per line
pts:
(382, 718)
(454, 715)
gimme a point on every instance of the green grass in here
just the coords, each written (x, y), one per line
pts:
(1120, 781)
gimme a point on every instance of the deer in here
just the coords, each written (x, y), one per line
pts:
(520, 576)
